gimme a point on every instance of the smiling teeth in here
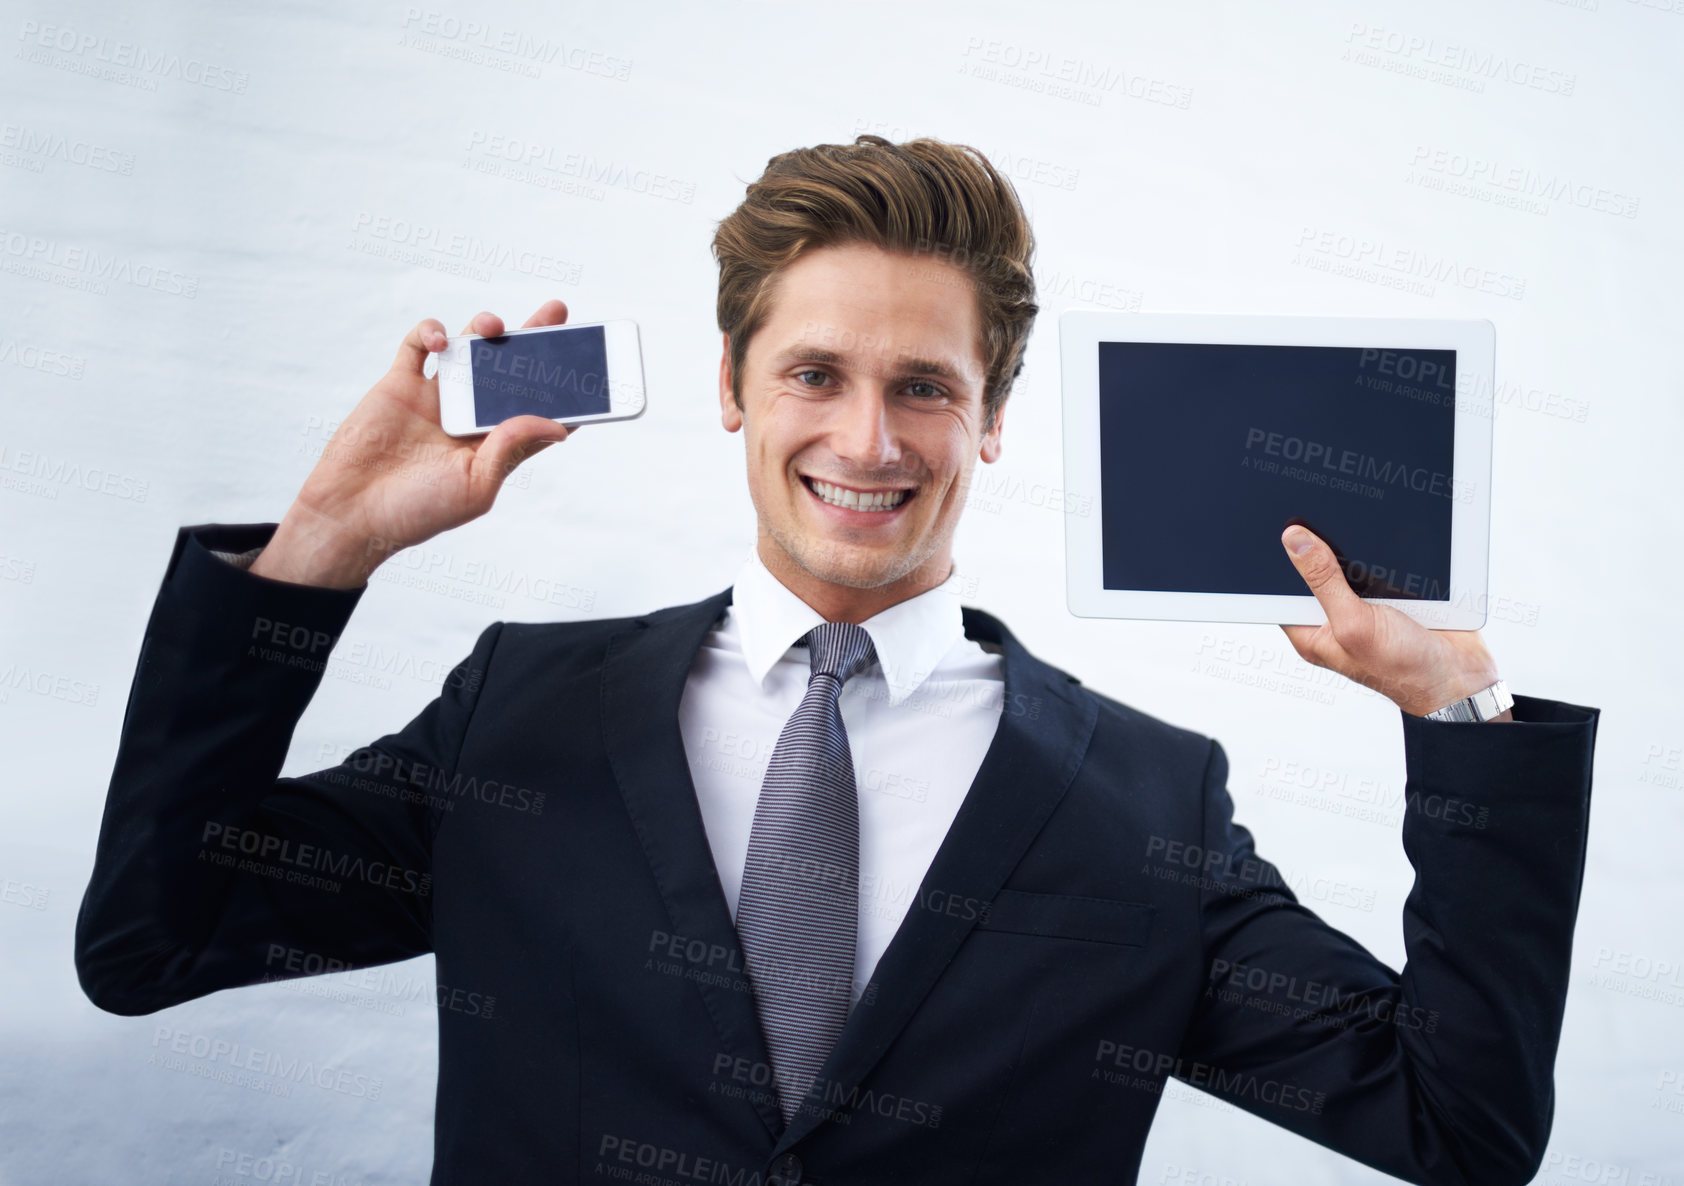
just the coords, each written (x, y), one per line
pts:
(837, 496)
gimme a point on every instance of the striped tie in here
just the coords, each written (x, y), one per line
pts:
(798, 908)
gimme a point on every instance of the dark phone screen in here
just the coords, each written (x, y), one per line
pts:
(1207, 452)
(559, 374)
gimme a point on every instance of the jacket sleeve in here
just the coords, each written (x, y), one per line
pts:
(1443, 1072)
(211, 871)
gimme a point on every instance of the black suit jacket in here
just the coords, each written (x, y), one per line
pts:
(1094, 921)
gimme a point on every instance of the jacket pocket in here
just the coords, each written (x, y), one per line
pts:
(1069, 916)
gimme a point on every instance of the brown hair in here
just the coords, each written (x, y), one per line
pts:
(920, 197)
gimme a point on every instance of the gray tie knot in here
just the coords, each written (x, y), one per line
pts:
(841, 649)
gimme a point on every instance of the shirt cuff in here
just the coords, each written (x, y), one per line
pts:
(238, 559)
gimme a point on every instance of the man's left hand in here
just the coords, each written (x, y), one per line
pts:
(1380, 647)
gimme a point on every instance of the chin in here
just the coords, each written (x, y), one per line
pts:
(852, 566)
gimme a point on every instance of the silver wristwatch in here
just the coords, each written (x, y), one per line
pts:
(1480, 707)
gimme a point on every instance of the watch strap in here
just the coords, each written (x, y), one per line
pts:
(1478, 708)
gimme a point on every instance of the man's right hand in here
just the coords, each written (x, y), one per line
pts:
(391, 477)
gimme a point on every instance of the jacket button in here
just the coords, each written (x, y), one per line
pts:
(786, 1171)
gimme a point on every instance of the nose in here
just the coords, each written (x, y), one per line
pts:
(862, 432)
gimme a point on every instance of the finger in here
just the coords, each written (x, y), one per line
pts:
(1347, 613)
(1299, 637)
(427, 337)
(551, 312)
(513, 441)
(1304, 640)
(486, 325)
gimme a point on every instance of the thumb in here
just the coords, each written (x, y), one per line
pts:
(1316, 563)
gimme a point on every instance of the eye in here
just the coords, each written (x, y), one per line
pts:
(803, 377)
(930, 389)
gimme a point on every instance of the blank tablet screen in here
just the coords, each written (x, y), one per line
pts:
(1207, 452)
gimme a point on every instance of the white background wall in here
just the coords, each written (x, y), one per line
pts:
(260, 196)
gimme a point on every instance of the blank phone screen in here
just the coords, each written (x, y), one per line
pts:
(1208, 452)
(559, 374)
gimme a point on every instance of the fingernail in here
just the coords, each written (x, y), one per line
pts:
(1298, 541)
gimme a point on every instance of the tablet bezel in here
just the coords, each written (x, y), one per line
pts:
(1082, 330)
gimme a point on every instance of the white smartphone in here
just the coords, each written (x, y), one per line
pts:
(575, 374)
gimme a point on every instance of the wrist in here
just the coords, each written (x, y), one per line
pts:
(310, 549)
(1468, 678)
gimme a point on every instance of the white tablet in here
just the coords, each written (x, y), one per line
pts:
(1196, 438)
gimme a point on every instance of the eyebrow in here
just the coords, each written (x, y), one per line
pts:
(907, 366)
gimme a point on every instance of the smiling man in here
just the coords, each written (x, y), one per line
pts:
(866, 388)
(826, 878)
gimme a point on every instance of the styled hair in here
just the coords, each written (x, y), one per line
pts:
(922, 197)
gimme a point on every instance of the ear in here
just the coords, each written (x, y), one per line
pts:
(990, 451)
(730, 415)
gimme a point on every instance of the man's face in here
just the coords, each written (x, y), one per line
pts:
(863, 386)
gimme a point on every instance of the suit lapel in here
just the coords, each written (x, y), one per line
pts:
(1039, 745)
(1029, 765)
(643, 679)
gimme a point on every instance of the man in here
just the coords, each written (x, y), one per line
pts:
(955, 919)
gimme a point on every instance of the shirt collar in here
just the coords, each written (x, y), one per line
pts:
(910, 637)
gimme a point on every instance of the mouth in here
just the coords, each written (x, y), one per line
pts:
(879, 501)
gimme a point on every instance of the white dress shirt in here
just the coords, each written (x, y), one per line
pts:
(919, 721)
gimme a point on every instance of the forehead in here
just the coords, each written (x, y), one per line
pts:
(867, 305)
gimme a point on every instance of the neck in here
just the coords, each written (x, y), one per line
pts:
(845, 603)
